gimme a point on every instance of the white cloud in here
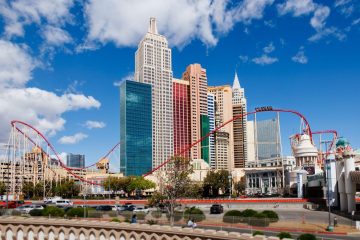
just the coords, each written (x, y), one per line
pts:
(318, 20)
(56, 36)
(341, 2)
(73, 139)
(296, 7)
(300, 56)
(244, 58)
(129, 76)
(320, 15)
(40, 108)
(269, 48)
(331, 31)
(345, 7)
(265, 60)
(94, 124)
(19, 13)
(16, 64)
(125, 22)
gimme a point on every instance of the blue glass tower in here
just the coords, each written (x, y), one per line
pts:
(135, 128)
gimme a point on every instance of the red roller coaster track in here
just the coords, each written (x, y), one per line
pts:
(13, 123)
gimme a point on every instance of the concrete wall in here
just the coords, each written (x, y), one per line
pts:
(12, 228)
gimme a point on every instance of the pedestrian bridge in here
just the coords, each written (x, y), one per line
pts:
(21, 228)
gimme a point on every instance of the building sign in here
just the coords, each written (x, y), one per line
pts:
(299, 182)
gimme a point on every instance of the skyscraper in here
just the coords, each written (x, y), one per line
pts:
(211, 114)
(240, 138)
(223, 113)
(75, 160)
(135, 128)
(153, 66)
(181, 109)
(267, 134)
(196, 76)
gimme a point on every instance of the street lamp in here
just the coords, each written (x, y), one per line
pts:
(230, 188)
(327, 169)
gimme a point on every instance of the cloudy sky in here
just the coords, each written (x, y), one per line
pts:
(61, 60)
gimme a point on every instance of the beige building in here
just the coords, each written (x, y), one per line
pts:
(196, 76)
(223, 113)
(239, 125)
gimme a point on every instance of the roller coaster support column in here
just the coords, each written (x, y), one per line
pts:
(345, 164)
(350, 188)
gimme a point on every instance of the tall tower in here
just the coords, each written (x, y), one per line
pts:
(153, 66)
(224, 157)
(181, 108)
(239, 125)
(211, 114)
(196, 76)
(135, 128)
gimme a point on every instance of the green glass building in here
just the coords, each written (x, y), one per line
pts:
(205, 146)
(135, 128)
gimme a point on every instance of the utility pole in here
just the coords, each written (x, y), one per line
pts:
(327, 169)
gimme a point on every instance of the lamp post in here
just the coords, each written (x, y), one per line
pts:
(327, 169)
(230, 187)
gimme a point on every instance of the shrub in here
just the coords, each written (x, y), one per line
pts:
(258, 233)
(151, 222)
(156, 214)
(194, 213)
(76, 212)
(94, 214)
(249, 213)
(232, 216)
(259, 220)
(306, 236)
(273, 216)
(115, 220)
(284, 235)
(53, 211)
(177, 216)
(140, 215)
(36, 212)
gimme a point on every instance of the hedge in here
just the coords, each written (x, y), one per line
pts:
(248, 213)
(307, 236)
(53, 211)
(156, 214)
(258, 233)
(284, 235)
(273, 216)
(232, 216)
(194, 213)
(36, 212)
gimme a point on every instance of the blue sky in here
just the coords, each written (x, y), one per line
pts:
(60, 61)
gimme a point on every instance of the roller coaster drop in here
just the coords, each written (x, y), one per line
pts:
(28, 153)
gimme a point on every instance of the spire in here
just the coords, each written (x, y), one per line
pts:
(152, 27)
(236, 84)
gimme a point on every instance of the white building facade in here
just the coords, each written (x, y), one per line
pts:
(153, 65)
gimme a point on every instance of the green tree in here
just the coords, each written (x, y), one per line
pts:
(174, 184)
(240, 186)
(2, 188)
(139, 183)
(216, 181)
(28, 190)
(115, 184)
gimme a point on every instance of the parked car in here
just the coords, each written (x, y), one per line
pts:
(140, 209)
(129, 208)
(52, 200)
(216, 209)
(63, 203)
(118, 208)
(104, 208)
(27, 208)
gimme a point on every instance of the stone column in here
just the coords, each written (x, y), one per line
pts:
(349, 184)
(341, 184)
